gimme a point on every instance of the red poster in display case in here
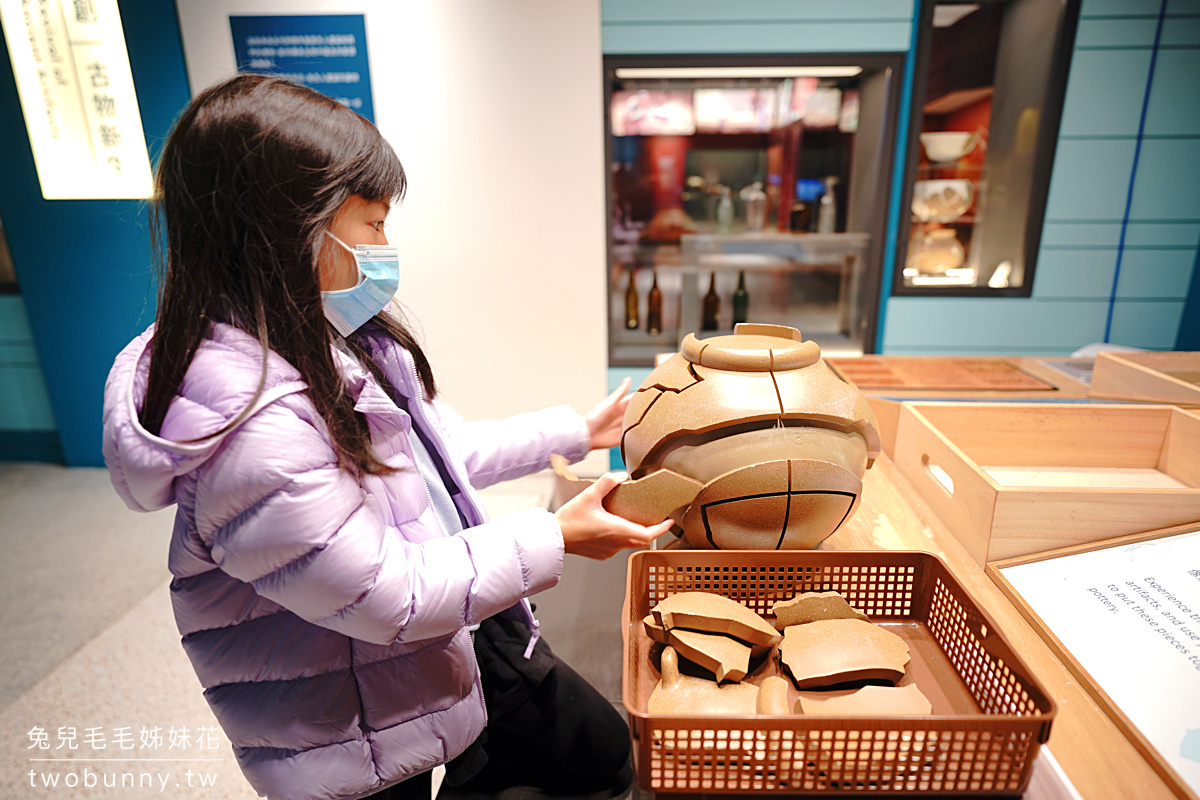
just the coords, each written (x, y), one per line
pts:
(667, 160)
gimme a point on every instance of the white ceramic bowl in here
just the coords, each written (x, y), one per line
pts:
(941, 201)
(948, 145)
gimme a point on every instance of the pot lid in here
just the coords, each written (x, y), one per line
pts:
(752, 348)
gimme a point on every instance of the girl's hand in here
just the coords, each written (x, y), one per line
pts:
(588, 530)
(605, 420)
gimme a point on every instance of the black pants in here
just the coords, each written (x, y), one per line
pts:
(547, 727)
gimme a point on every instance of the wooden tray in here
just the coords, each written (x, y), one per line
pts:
(1012, 479)
(1150, 377)
(1074, 573)
(872, 373)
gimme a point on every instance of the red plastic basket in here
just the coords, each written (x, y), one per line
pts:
(990, 714)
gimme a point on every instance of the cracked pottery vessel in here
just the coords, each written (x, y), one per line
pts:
(748, 441)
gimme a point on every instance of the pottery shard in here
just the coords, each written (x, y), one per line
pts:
(812, 606)
(832, 651)
(683, 694)
(869, 701)
(773, 696)
(726, 658)
(658, 634)
(655, 631)
(714, 613)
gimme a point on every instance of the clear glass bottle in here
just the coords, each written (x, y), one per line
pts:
(725, 211)
(756, 207)
(827, 216)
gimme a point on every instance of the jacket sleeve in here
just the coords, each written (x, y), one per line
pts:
(503, 449)
(278, 513)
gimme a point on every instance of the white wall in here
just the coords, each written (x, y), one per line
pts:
(495, 109)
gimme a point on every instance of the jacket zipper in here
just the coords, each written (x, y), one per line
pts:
(531, 621)
(420, 391)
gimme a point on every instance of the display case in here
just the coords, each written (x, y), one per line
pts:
(743, 188)
(988, 98)
(713, 281)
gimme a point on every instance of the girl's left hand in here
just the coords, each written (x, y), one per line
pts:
(604, 422)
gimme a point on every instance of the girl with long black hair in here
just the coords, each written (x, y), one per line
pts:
(331, 558)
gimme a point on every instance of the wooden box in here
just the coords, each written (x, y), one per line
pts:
(1149, 377)
(1011, 479)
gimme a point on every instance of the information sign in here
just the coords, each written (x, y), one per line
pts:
(1129, 615)
(326, 52)
(76, 90)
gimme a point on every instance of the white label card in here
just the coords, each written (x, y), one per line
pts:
(77, 95)
(1130, 615)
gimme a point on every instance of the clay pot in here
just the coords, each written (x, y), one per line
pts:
(748, 441)
(939, 250)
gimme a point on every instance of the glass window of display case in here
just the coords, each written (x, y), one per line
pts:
(987, 102)
(740, 190)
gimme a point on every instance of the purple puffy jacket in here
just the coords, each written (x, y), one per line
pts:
(326, 616)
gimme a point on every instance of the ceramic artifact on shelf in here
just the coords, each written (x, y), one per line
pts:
(942, 200)
(725, 657)
(937, 251)
(714, 613)
(677, 693)
(869, 701)
(946, 146)
(834, 651)
(748, 441)
(812, 606)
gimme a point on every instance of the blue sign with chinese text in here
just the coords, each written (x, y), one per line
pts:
(326, 52)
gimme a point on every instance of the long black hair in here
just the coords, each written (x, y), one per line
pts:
(250, 179)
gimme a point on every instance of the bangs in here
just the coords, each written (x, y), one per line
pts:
(377, 174)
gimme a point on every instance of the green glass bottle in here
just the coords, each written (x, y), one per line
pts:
(711, 318)
(741, 299)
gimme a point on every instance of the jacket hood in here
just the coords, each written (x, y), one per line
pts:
(219, 384)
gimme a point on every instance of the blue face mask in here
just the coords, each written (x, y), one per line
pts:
(379, 277)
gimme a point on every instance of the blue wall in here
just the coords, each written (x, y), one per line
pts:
(27, 430)
(83, 265)
(1076, 286)
(755, 26)
(1093, 221)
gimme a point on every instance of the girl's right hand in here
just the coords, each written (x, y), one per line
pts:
(591, 531)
